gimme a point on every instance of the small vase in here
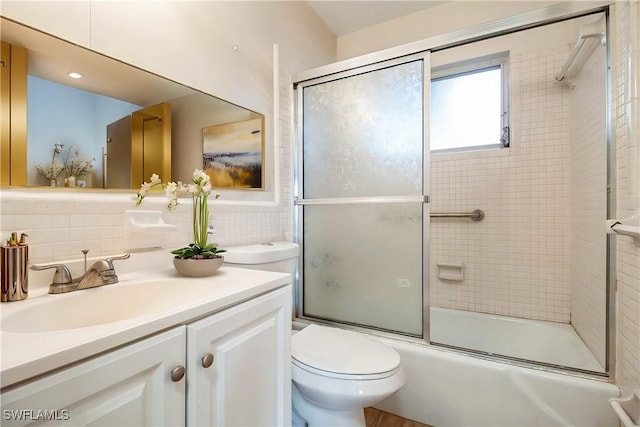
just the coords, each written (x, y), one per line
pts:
(71, 181)
(52, 182)
(197, 267)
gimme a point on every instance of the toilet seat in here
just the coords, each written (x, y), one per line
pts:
(341, 376)
(338, 353)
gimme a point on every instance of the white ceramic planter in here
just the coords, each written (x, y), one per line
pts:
(198, 267)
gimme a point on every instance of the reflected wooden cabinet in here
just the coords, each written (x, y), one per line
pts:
(13, 115)
(139, 145)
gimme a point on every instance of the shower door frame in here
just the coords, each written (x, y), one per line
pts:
(537, 18)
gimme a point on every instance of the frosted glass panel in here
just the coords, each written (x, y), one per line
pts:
(363, 265)
(363, 134)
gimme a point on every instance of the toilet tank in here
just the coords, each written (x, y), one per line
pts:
(273, 256)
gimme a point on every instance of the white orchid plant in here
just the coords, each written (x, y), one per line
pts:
(200, 189)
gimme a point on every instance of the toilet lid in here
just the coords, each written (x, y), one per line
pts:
(344, 352)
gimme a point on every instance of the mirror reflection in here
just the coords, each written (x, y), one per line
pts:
(74, 117)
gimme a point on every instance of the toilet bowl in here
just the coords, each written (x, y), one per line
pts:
(335, 373)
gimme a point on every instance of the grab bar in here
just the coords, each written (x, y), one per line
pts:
(627, 408)
(476, 215)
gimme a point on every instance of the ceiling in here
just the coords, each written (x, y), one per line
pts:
(344, 17)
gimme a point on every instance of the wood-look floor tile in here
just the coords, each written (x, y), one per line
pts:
(376, 418)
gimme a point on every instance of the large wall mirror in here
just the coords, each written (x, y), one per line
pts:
(111, 128)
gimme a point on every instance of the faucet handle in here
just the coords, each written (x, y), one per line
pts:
(60, 277)
(114, 258)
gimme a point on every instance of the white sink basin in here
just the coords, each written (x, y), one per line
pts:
(105, 304)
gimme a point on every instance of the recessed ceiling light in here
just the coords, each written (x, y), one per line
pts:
(74, 75)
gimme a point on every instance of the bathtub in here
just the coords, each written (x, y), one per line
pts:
(548, 342)
(450, 389)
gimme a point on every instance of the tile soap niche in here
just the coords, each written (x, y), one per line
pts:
(147, 221)
(451, 271)
(145, 230)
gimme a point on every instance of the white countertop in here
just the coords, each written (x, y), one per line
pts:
(24, 355)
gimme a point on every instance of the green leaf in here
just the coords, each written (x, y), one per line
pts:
(193, 249)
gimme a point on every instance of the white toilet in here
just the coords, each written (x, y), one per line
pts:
(336, 373)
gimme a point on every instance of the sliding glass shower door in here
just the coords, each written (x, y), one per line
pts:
(530, 281)
(363, 197)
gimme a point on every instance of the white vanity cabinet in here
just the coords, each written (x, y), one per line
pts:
(242, 374)
(236, 374)
(130, 386)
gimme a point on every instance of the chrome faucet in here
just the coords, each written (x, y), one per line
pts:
(101, 273)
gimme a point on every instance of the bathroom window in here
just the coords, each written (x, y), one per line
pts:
(469, 108)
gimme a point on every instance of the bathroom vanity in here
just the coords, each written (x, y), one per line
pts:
(155, 349)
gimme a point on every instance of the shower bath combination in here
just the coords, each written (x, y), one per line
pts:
(471, 249)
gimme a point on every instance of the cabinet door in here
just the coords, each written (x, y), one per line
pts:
(249, 381)
(126, 387)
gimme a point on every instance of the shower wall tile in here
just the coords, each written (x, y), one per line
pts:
(626, 74)
(516, 261)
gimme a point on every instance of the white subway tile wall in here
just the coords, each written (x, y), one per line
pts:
(61, 224)
(626, 75)
(516, 260)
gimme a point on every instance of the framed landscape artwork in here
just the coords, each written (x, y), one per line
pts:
(233, 154)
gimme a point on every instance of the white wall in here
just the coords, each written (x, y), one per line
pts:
(441, 19)
(192, 43)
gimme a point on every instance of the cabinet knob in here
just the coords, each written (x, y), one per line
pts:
(177, 373)
(207, 360)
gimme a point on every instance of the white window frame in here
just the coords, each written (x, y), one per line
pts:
(469, 66)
